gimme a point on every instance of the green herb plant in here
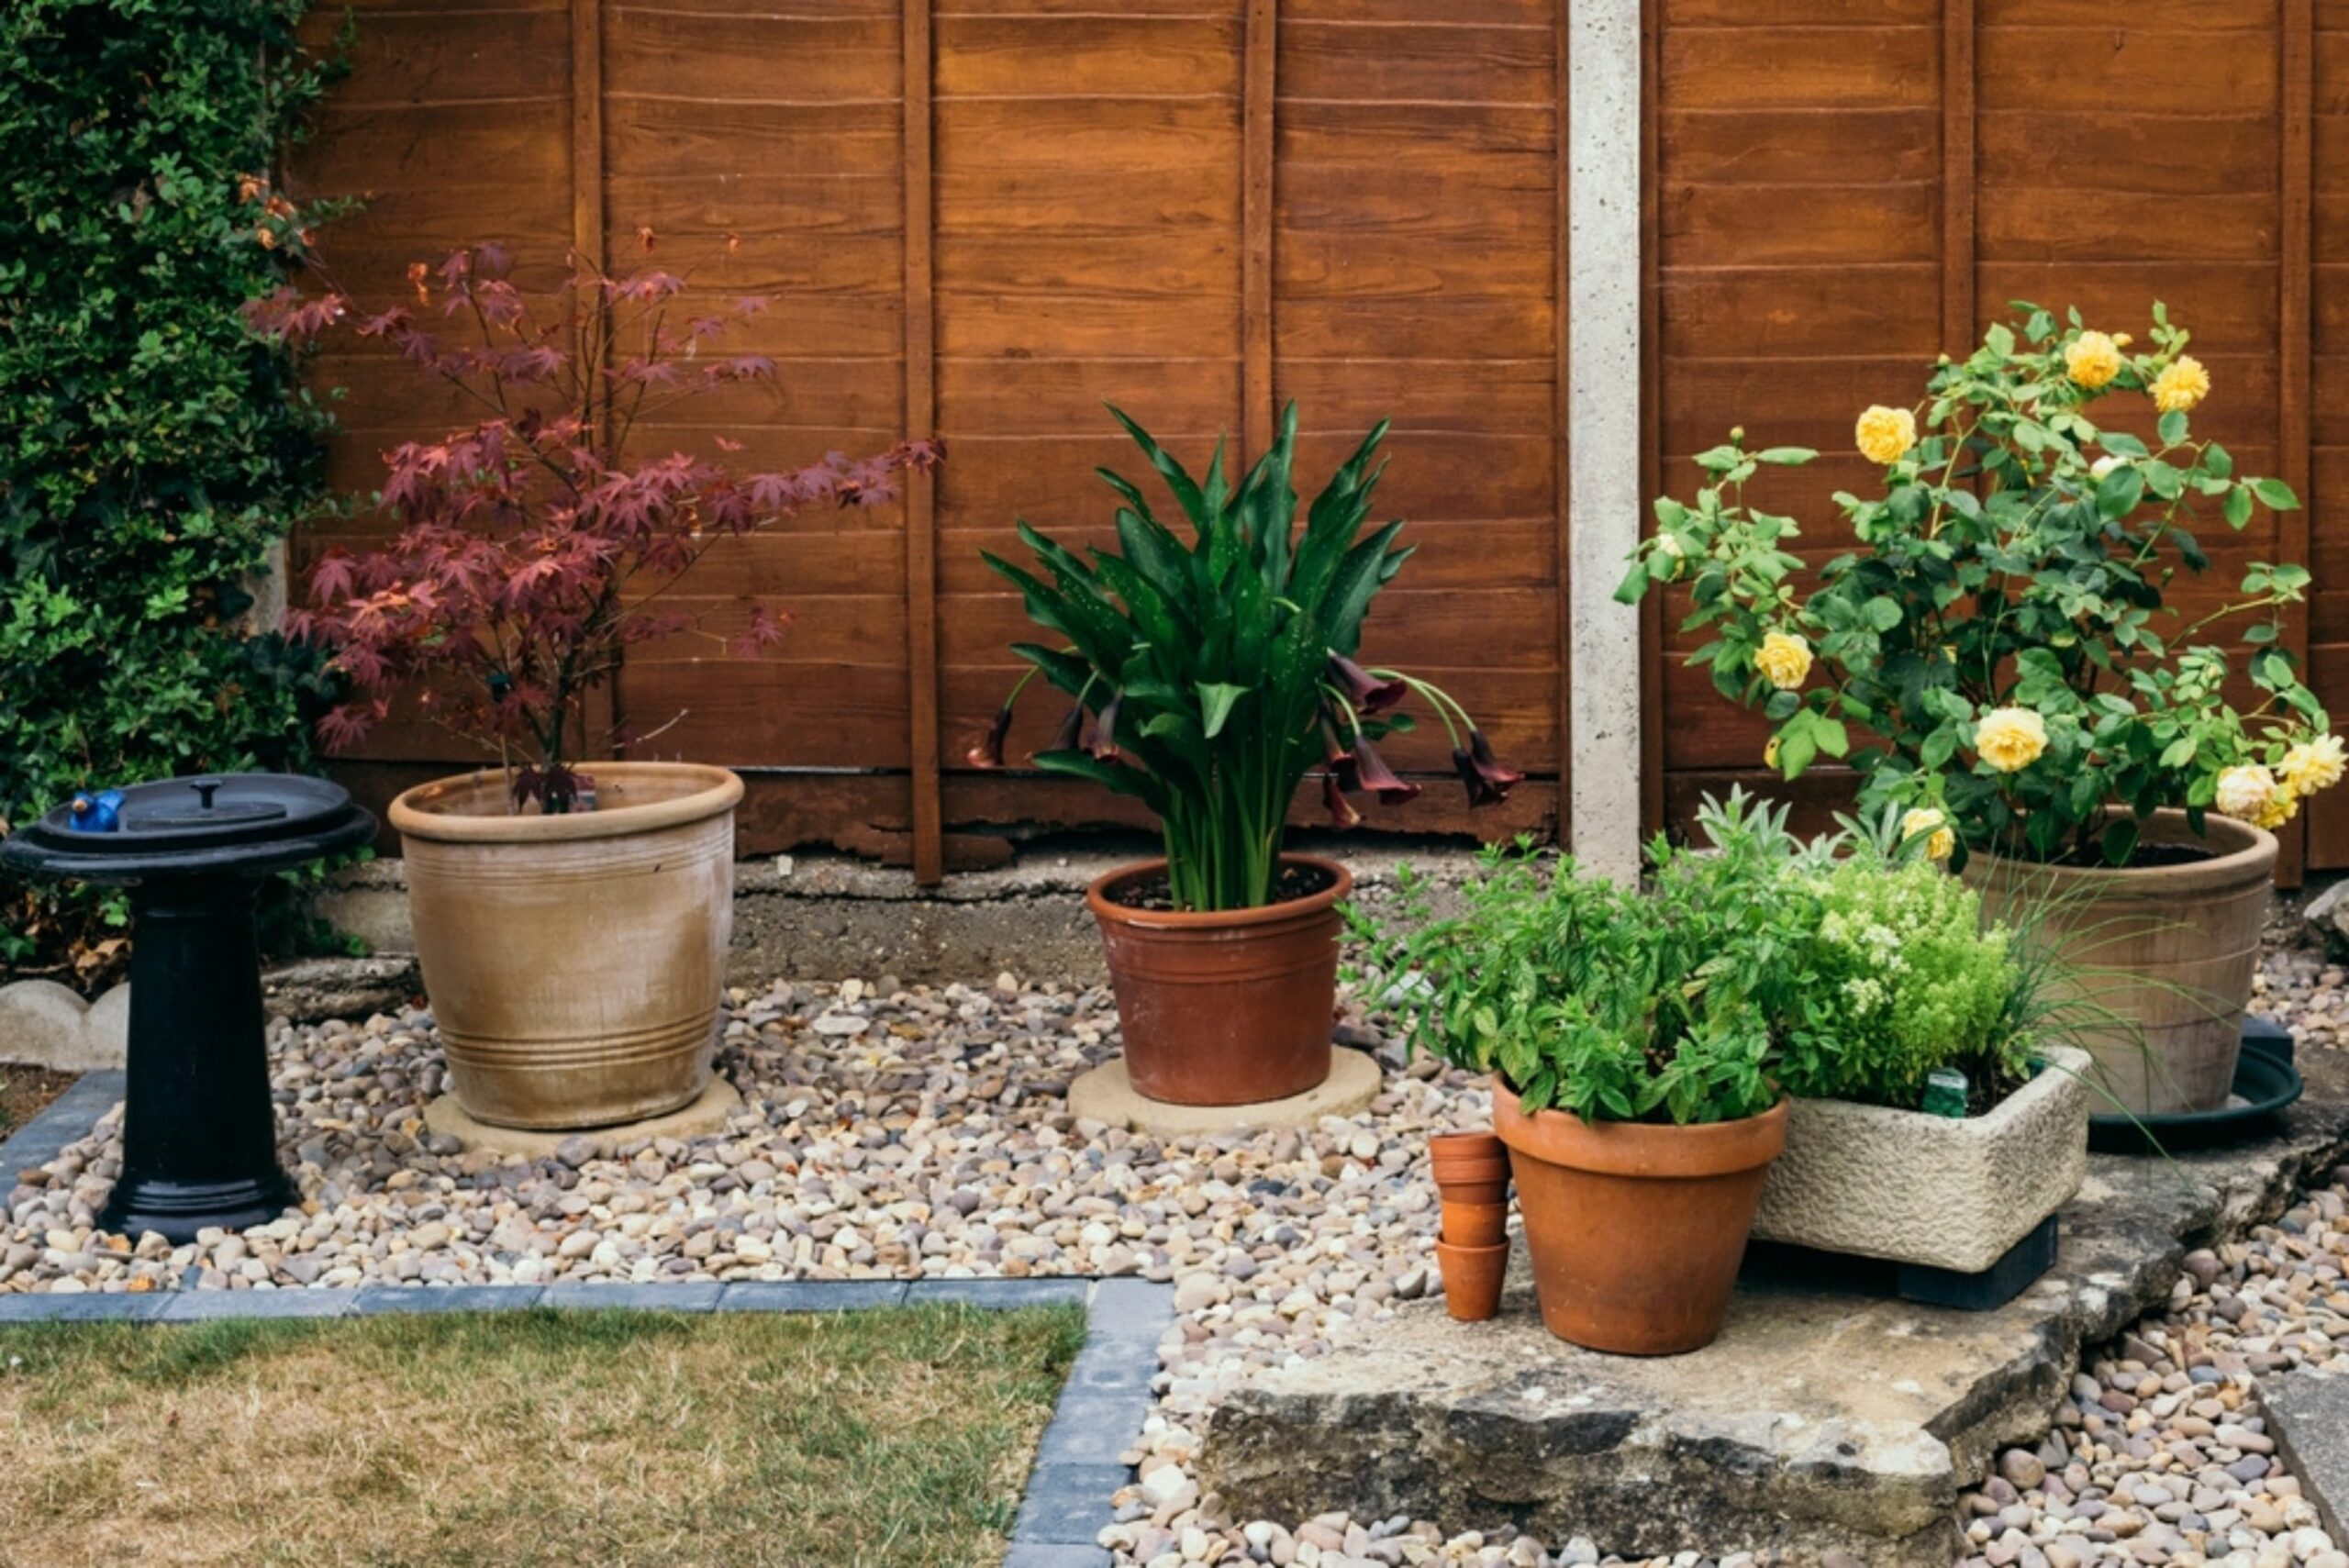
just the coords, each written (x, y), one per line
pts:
(1208, 677)
(1609, 1002)
(1900, 975)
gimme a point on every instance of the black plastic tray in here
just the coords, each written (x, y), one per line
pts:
(2265, 1082)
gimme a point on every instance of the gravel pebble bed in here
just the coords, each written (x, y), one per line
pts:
(887, 1131)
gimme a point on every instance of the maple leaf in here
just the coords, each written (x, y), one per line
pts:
(763, 632)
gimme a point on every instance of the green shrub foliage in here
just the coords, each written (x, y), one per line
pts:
(154, 449)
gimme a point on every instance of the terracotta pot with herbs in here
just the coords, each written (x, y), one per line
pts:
(2005, 633)
(572, 912)
(1630, 1037)
(1208, 677)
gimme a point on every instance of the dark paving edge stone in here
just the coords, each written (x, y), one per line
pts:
(72, 1115)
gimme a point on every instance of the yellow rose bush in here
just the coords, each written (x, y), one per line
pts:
(1998, 637)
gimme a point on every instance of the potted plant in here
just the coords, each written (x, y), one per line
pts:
(1937, 1119)
(2002, 633)
(1207, 678)
(572, 917)
(1630, 1036)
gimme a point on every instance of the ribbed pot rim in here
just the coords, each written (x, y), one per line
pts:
(1640, 1149)
(2251, 860)
(1297, 909)
(713, 792)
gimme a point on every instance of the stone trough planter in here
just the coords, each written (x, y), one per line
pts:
(1933, 1191)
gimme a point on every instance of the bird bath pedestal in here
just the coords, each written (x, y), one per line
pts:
(199, 1130)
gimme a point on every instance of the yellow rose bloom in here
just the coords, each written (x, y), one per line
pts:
(2092, 360)
(2282, 807)
(2245, 792)
(2313, 765)
(1770, 754)
(1885, 435)
(2182, 386)
(1785, 660)
(1925, 820)
(2011, 738)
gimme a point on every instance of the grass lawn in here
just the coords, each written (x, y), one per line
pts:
(537, 1440)
(24, 1091)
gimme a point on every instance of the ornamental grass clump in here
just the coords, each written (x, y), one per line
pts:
(1207, 679)
(533, 547)
(1615, 1003)
(2003, 629)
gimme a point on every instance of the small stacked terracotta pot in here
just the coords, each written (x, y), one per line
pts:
(1471, 1179)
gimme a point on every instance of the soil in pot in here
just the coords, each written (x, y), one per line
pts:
(574, 963)
(2165, 946)
(1636, 1230)
(1223, 1007)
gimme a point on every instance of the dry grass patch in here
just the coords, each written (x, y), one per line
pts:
(537, 1440)
(24, 1090)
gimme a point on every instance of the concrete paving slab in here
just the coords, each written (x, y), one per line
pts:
(1818, 1420)
(2308, 1415)
(1107, 1095)
(706, 1115)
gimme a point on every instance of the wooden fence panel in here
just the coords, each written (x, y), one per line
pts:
(986, 222)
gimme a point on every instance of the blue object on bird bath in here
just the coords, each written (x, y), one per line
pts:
(98, 813)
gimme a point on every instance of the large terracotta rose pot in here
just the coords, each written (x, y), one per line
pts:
(1636, 1231)
(1228, 1008)
(574, 962)
(2169, 949)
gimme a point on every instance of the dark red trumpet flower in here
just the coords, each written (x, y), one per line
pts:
(1488, 779)
(988, 752)
(1103, 742)
(1341, 810)
(1370, 772)
(1070, 732)
(1365, 690)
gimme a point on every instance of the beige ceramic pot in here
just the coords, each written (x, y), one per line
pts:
(574, 962)
(2170, 950)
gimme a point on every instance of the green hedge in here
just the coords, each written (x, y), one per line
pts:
(152, 450)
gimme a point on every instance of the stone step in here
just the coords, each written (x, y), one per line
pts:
(1818, 1420)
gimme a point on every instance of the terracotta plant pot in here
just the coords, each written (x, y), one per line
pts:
(2169, 949)
(574, 963)
(1636, 1231)
(1471, 1172)
(1224, 1008)
(1472, 1279)
(1476, 1224)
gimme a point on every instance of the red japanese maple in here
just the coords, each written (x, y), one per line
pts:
(533, 549)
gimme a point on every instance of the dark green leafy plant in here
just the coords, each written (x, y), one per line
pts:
(154, 450)
(1614, 1004)
(1210, 678)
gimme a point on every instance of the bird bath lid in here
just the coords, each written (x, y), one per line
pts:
(212, 825)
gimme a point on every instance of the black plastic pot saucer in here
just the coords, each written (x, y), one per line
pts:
(2265, 1082)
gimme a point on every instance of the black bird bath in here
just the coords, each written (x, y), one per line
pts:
(199, 1130)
